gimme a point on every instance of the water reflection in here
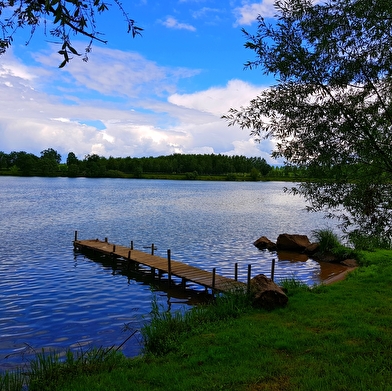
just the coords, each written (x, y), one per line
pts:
(326, 269)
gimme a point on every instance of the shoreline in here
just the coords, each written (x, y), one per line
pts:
(339, 276)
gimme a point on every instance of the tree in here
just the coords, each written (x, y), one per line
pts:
(49, 162)
(51, 154)
(330, 111)
(67, 18)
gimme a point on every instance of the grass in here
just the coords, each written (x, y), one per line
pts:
(329, 243)
(335, 337)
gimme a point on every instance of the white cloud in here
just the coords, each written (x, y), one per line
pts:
(34, 116)
(118, 73)
(173, 23)
(218, 100)
(248, 12)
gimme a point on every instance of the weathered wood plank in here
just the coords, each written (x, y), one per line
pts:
(178, 269)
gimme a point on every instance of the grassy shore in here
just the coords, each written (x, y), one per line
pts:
(335, 337)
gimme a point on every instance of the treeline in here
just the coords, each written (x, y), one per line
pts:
(191, 166)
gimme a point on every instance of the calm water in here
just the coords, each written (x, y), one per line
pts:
(54, 298)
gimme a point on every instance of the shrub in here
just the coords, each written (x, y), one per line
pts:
(329, 243)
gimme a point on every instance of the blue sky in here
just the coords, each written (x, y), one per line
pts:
(158, 94)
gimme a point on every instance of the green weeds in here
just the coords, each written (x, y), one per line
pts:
(49, 369)
(329, 243)
(166, 330)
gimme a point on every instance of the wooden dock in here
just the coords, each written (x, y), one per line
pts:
(160, 265)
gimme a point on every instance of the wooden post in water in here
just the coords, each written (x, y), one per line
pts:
(131, 244)
(106, 240)
(129, 260)
(273, 269)
(153, 273)
(152, 249)
(249, 276)
(169, 265)
(213, 277)
(114, 248)
(76, 236)
(236, 272)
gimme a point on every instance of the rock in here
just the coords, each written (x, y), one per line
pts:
(312, 249)
(264, 243)
(325, 257)
(292, 242)
(266, 294)
(349, 263)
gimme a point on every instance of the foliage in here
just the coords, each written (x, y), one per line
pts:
(292, 285)
(362, 241)
(331, 109)
(329, 243)
(191, 166)
(327, 239)
(166, 330)
(67, 17)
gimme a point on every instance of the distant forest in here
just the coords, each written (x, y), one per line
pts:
(176, 166)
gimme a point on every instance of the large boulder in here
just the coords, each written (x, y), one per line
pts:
(266, 294)
(292, 242)
(264, 243)
(313, 248)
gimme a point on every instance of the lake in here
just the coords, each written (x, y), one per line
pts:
(56, 298)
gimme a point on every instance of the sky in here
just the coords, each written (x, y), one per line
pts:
(162, 93)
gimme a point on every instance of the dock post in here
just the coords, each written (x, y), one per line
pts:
(153, 273)
(236, 272)
(249, 276)
(131, 244)
(106, 240)
(169, 265)
(213, 277)
(273, 269)
(114, 248)
(129, 260)
(152, 249)
(76, 236)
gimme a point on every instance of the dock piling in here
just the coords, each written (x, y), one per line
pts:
(249, 277)
(273, 269)
(169, 265)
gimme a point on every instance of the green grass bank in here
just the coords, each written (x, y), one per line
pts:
(335, 337)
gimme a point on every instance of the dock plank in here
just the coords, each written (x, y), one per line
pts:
(177, 269)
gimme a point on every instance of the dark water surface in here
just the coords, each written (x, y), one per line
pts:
(54, 298)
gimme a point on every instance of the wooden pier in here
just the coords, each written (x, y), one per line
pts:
(160, 265)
